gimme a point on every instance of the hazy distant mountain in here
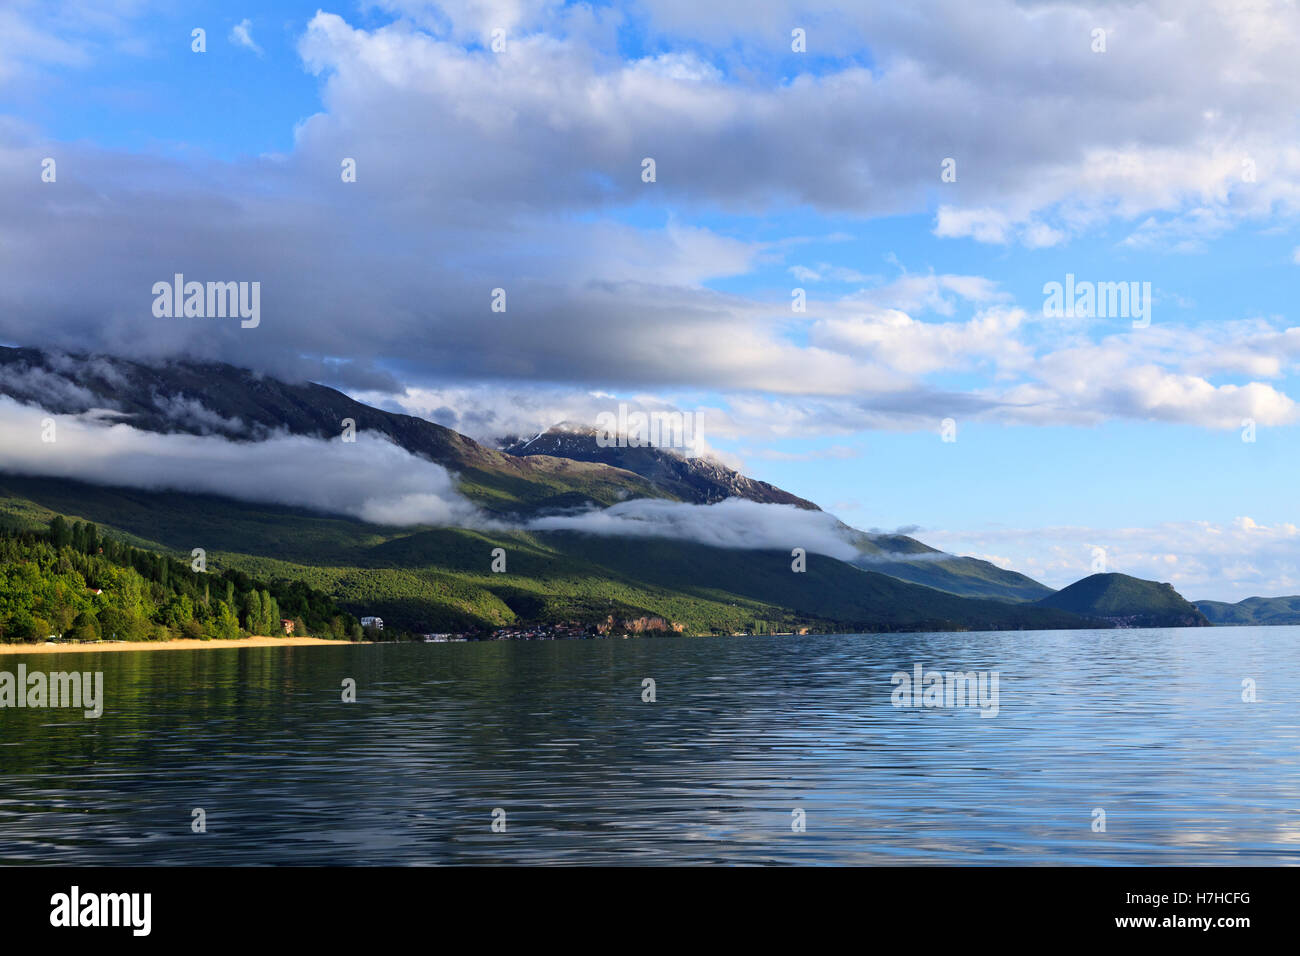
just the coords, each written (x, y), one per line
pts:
(1127, 602)
(1253, 610)
(903, 557)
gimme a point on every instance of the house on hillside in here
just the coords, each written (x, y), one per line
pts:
(376, 622)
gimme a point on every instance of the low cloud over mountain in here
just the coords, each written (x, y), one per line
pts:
(371, 479)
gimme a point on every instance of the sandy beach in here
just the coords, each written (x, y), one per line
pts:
(183, 644)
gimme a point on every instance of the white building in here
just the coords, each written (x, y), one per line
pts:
(376, 622)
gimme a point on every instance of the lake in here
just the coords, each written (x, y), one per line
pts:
(749, 741)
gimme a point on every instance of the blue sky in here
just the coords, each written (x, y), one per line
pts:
(1169, 158)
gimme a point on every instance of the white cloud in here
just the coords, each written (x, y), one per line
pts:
(369, 479)
(241, 34)
(734, 523)
(1202, 560)
(478, 169)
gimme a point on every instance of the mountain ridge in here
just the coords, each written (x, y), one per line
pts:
(1253, 610)
(439, 579)
(694, 479)
(1126, 601)
(210, 398)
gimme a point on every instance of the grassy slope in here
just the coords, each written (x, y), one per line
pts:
(440, 578)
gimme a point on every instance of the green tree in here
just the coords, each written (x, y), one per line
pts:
(84, 628)
(225, 625)
(22, 626)
(252, 612)
(114, 625)
(60, 533)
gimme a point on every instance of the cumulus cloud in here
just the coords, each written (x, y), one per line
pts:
(521, 170)
(1203, 560)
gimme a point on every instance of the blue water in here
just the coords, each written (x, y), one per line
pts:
(1147, 725)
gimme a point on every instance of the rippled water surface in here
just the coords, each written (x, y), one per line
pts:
(1147, 725)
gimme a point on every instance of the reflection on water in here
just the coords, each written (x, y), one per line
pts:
(1147, 725)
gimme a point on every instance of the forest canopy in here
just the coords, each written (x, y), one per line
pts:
(71, 583)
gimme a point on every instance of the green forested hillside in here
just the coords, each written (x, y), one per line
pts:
(1253, 610)
(426, 579)
(906, 558)
(564, 468)
(1128, 601)
(72, 583)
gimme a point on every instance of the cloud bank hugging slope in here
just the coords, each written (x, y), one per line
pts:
(371, 479)
(734, 523)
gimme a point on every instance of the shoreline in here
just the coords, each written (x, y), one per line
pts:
(180, 644)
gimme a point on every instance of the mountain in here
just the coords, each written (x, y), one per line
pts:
(424, 578)
(562, 468)
(698, 480)
(1127, 602)
(203, 398)
(1254, 610)
(909, 560)
(439, 579)
(704, 481)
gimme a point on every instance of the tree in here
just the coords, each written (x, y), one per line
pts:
(60, 533)
(253, 612)
(22, 626)
(84, 628)
(225, 625)
(114, 625)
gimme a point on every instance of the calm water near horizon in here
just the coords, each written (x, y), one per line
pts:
(1148, 725)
